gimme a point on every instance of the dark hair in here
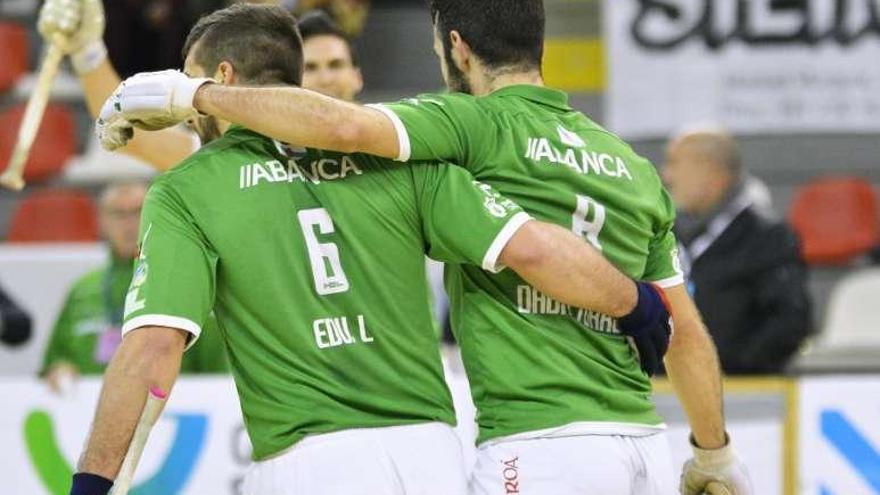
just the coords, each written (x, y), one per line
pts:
(318, 23)
(502, 33)
(262, 42)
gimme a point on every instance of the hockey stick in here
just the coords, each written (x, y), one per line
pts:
(152, 410)
(13, 176)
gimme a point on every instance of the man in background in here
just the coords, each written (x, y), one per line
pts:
(330, 62)
(87, 331)
(747, 275)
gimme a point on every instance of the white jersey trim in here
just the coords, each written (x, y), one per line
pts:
(670, 282)
(584, 428)
(169, 321)
(402, 135)
(490, 260)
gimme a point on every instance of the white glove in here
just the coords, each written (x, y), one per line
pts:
(77, 26)
(716, 472)
(150, 101)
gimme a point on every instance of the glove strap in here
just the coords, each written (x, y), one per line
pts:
(714, 458)
(647, 307)
(185, 93)
(90, 484)
(89, 57)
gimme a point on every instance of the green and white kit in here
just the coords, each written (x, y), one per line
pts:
(537, 367)
(314, 266)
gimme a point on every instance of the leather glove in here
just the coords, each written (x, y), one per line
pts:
(716, 471)
(77, 26)
(149, 101)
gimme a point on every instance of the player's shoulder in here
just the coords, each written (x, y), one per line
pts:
(445, 101)
(598, 136)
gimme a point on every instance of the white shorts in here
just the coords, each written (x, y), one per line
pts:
(576, 465)
(400, 460)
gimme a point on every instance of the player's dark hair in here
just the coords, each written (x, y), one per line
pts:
(502, 33)
(318, 23)
(262, 42)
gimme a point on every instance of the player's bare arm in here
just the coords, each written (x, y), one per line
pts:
(693, 368)
(78, 27)
(147, 357)
(296, 115)
(556, 262)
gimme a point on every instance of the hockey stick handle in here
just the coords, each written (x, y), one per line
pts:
(13, 176)
(152, 411)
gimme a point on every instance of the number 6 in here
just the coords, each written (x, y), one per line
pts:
(328, 279)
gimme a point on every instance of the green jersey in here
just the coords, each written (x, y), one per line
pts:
(534, 364)
(86, 332)
(314, 265)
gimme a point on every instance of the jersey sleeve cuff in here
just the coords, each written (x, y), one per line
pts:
(402, 136)
(169, 321)
(490, 260)
(672, 281)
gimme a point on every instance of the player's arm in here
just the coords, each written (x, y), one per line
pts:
(564, 267)
(428, 129)
(148, 357)
(307, 118)
(693, 368)
(78, 26)
(168, 302)
(494, 232)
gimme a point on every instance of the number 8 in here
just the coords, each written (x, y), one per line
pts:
(588, 228)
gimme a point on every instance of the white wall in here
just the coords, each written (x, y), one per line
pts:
(38, 277)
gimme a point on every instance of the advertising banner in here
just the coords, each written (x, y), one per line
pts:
(198, 446)
(840, 435)
(755, 66)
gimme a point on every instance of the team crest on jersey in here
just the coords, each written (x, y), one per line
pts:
(292, 152)
(569, 138)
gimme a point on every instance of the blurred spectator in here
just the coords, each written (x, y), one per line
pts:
(146, 35)
(330, 63)
(747, 275)
(87, 331)
(15, 324)
(350, 15)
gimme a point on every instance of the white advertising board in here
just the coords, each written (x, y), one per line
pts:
(755, 66)
(197, 447)
(840, 435)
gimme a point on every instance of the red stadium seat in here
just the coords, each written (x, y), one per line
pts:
(13, 53)
(55, 215)
(837, 219)
(54, 145)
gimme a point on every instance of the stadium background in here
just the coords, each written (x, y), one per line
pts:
(816, 430)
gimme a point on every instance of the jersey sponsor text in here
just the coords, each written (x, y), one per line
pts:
(274, 171)
(531, 301)
(580, 160)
